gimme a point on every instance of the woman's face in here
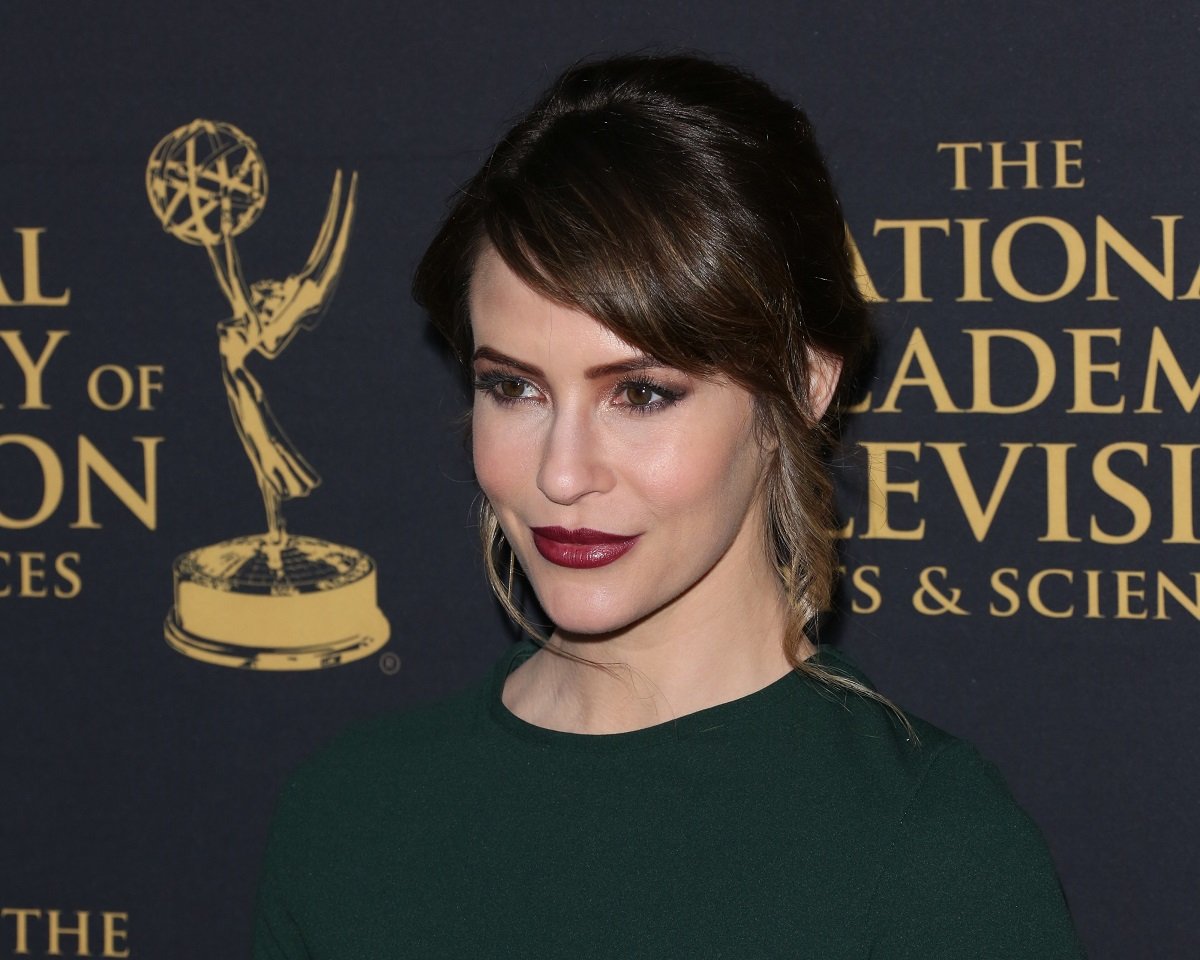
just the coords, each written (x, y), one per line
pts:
(624, 486)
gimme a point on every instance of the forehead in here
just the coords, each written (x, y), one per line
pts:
(509, 315)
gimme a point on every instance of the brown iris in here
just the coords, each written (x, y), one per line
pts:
(639, 394)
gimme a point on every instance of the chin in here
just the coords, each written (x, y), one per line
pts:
(586, 616)
(598, 615)
(588, 623)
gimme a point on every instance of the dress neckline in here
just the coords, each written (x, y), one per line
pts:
(790, 686)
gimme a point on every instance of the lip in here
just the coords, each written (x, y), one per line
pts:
(581, 549)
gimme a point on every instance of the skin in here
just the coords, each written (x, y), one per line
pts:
(693, 615)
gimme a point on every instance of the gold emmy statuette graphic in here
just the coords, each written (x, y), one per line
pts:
(271, 601)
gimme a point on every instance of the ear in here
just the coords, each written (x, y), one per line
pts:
(823, 375)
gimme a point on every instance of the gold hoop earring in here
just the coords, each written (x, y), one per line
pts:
(495, 544)
(501, 545)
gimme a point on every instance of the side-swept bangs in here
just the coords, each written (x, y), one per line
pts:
(685, 206)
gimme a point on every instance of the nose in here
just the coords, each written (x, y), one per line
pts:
(573, 462)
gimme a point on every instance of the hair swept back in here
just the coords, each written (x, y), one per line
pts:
(687, 207)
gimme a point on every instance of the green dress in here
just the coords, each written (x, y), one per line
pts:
(792, 822)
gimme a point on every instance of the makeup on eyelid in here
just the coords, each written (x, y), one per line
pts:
(620, 513)
(494, 382)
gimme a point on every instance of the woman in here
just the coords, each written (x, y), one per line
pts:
(649, 284)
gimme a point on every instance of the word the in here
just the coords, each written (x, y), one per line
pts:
(45, 932)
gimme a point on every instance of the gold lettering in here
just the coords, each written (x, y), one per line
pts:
(147, 385)
(124, 379)
(862, 278)
(1162, 357)
(913, 292)
(79, 932)
(960, 161)
(1126, 592)
(972, 250)
(52, 480)
(1062, 161)
(1035, 593)
(981, 361)
(1086, 368)
(869, 589)
(1166, 585)
(1057, 528)
(1007, 592)
(32, 275)
(1073, 245)
(862, 406)
(979, 517)
(1121, 491)
(930, 377)
(1107, 238)
(1093, 595)
(66, 566)
(30, 368)
(143, 506)
(1193, 291)
(33, 572)
(113, 933)
(999, 164)
(22, 915)
(1183, 528)
(880, 487)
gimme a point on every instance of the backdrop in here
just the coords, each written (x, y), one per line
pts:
(1019, 490)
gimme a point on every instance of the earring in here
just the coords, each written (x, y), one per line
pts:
(494, 544)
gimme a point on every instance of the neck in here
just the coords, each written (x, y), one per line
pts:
(721, 640)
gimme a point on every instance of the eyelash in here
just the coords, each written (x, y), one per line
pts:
(489, 383)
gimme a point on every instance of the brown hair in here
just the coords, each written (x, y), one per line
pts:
(686, 207)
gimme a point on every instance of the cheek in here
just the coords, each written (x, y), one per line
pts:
(499, 453)
(709, 477)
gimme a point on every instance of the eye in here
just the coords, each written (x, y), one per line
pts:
(512, 389)
(645, 396)
(505, 387)
(639, 394)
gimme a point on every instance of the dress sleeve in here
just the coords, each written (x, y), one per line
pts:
(277, 932)
(969, 876)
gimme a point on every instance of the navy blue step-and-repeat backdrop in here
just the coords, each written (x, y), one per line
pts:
(1019, 488)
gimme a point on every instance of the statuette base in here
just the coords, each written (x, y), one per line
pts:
(300, 604)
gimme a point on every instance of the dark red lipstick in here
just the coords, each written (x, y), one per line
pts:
(582, 549)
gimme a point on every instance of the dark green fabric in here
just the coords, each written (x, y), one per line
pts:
(793, 822)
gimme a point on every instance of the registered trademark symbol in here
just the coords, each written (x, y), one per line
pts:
(389, 663)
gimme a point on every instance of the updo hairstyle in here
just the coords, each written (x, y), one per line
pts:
(686, 207)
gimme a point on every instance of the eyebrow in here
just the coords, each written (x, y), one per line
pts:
(641, 362)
